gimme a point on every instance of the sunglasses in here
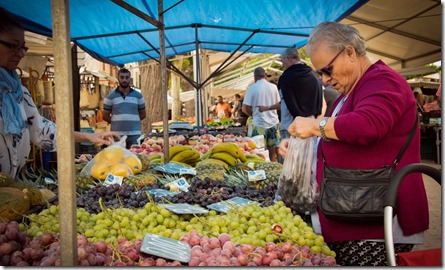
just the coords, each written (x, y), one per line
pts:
(327, 70)
(13, 47)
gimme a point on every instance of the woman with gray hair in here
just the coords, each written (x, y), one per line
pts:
(366, 129)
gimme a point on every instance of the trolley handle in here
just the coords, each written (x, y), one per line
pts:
(391, 193)
(391, 197)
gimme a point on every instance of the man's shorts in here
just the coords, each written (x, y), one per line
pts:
(271, 135)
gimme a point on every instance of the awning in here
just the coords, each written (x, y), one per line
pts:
(113, 34)
(99, 74)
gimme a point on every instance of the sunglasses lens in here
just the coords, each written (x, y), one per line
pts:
(327, 71)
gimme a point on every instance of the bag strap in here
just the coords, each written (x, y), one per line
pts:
(402, 151)
(408, 141)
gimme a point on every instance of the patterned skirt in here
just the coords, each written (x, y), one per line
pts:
(364, 253)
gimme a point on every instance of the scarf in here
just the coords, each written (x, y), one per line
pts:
(11, 96)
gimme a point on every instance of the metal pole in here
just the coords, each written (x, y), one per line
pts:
(65, 132)
(198, 82)
(163, 81)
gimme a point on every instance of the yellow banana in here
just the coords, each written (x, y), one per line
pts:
(226, 157)
(226, 147)
(213, 161)
(192, 159)
(157, 161)
(241, 155)
(207, 154)
(253, 156)
(254, 162)
(154, 156)
(184, 155)
(173, 151)
(231, 148)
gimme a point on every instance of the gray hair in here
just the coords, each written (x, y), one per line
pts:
(337, 36)
(292, 53)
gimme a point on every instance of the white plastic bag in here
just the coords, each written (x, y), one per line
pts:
(114, 159)
(296, 186)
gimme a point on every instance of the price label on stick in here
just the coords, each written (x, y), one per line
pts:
(178, 185)
(256, 175)
(113, 179)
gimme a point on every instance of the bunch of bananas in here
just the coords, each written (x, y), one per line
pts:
(227, 152)
(156, 159)
(183, 154)
(252, 160)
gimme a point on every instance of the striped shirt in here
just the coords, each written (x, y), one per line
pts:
(124, 110)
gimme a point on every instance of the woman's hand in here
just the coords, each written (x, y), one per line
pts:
(302, 127)
(282, 148)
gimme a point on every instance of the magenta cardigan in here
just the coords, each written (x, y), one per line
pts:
(372, 127)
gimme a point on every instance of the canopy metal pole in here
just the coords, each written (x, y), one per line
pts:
(163, 81)
(65, 132)
(197, 75)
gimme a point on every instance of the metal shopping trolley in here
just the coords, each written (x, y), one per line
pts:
(390, 203)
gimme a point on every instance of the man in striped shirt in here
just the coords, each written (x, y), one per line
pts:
(124, 108)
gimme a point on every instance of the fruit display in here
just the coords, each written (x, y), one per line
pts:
(183, 154)
(19, 197)
(202, 143)
(249, 224)
(18, 250)
(114, 196)
(221, 251)
(113, 218)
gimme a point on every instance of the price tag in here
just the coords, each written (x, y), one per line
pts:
(50, 181)
(191, 171)
(256, 175)
(113, 179)
(178, 185)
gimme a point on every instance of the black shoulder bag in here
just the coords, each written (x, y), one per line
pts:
(357, 195)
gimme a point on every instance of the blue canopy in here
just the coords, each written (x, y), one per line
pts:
(118, 36)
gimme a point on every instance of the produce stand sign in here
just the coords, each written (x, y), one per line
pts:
(225, 206)
(184, 208)
(166, 248)
(257, 175)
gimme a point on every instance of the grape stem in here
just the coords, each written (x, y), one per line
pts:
(298, 252)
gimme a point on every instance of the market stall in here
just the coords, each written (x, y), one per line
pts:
(132, 209)
(113, 220)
